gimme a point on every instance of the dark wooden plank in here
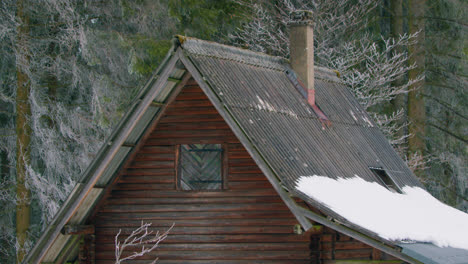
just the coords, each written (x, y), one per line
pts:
(189, 194)
(219, 246)
(155, 156)
(217, 255)
(121, 223)
(205, 261)
(249, 184)
(203, 230)
(192, 133)
(151, 164)
(191, 126)
(192, 140)
(247, 177)
(145, 186)
(153, 172)
(242, 238)
(191, 103)
(196, 200)
(192, 111)
(156, 149)
(185, 119)
(174, 216)
(194, 208)
(244, 169)
(146, 179)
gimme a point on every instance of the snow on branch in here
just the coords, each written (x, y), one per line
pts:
(139, 237)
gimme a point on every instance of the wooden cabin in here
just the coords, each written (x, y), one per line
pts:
(214, 144)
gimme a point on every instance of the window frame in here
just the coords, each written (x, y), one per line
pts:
(224, 167)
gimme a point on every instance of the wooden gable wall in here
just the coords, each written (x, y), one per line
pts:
(246, 223)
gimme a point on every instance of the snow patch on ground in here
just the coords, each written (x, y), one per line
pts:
(413, 215)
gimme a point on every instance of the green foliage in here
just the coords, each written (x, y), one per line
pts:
(153, 52)
(206, 19)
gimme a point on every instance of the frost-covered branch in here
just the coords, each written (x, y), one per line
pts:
(369, 66)
(139, 237)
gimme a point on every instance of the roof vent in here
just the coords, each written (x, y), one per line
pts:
(385, 179)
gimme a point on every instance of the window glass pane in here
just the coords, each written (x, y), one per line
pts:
(200, 167)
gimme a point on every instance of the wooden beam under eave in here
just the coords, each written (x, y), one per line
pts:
(77, 230)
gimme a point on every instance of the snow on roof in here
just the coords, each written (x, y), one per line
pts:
(414, 215)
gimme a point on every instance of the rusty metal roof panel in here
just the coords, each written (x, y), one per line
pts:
(283, 126)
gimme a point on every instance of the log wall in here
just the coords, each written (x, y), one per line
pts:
(246, 223)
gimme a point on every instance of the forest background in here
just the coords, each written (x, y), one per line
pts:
(69, 70)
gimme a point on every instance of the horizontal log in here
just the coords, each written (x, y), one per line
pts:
(155, 156)
(349, 254)
(236, 147)
(191, 96)
(245, 169)
(146, 179)
(243, 238)
(189, 261)
(200, 222)
(145, 186)
(156, 149)
(249, 185)
(247, 162)
(218, 255)
(191, 103)
(192, 194)
(191, 111)
(192, 133)
(192, 88)
(174, 216)
(154, 172)
(247, 177)
(196, 200)
(184, 119)
(195, 208)
(191, 126)
(202, 230)
(239, 155)
(151, 164)
(218, 246)
(192, 140)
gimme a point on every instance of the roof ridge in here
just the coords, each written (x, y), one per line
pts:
(198, 47)
(206, 48)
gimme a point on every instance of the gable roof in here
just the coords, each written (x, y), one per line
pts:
(271, 118)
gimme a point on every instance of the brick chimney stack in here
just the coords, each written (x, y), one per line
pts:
(301, 47)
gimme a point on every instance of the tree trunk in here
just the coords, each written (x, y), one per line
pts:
(400, 100)
(416, 107)
(23, 130)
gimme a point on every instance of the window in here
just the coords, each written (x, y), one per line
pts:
(200, 167)
(385, 179)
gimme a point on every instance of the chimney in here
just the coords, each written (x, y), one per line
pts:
(301, 47)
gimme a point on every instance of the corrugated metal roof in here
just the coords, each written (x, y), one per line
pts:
(285, 129)
(430, 254)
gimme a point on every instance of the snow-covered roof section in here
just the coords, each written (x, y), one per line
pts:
(412, 216)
